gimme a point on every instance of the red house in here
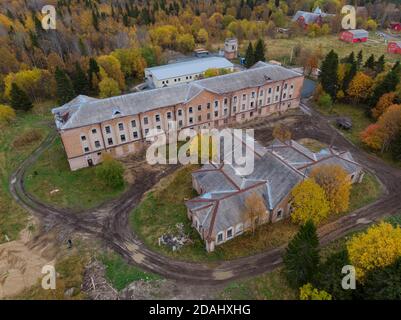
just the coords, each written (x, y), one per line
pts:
(396, 26)
(353, 36)
(394, 47)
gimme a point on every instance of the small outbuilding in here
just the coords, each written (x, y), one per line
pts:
(394, 47)
(396, 26)
(354, 36)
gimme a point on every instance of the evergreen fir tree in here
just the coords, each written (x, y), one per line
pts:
(301, 258)
(351, 58)
(93, 72)
(328, 76)
(80, 81)
(249, 56)
(359, 59)
(349, 76)
(19, 99)
(260, 51)
(379, 66)
(65, 90)
(370, 63)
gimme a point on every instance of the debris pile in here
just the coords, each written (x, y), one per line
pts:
(177, 240)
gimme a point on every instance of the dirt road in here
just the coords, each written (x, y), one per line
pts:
(110, 222)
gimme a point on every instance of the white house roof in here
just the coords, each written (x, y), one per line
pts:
(360, 33)
(194, 66)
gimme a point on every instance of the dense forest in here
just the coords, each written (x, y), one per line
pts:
(100, 46)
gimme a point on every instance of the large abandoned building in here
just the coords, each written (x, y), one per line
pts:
(220, 212)
(119, 125)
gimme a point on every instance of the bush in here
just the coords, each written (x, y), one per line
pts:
(7, 114)
(325, 101)
(27, 138)
(308, 292)
(111, 172)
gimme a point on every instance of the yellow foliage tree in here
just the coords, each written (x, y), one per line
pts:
(378, 247)
(7, 114)
(110, 67)
(309, 202)
(336, 184)
(255, 208)
(108, 88)
(308, 292)
(360, 86)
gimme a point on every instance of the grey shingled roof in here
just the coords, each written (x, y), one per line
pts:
(282, 166)
(91, 111)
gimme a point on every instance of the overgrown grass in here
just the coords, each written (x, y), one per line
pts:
(356, 113)
(120, 273)
(364, 193)
(34, 124)
(51, 180)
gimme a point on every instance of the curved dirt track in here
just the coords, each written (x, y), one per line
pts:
(110, 222)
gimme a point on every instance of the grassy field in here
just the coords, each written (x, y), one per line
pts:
(17, 141)
(120, 274)
(280, 49)
(77, 190)
(164, 207)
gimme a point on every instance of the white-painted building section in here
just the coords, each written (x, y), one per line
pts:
(184, 72)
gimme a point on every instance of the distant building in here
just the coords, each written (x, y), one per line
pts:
(394, 47)
(219, 214)
(231, 48)
(183, 72)
(305, 18)
(353, 36)
(201, 53)
(396, 26)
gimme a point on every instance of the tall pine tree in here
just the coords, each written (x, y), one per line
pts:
(388, 84)
(301, 258)
(65, 90)
(370, 63)
(92, 73)
(249, 56)
(19, 99)
(80, 81)
(350, 74)
(328, 75)
(379, 65)
(260, 54)
(359, 59)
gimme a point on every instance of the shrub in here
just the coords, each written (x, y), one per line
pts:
(111, 172)
(308, 292)
(7, 114)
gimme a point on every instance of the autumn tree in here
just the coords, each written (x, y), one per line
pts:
(185, 42)
(255, 209)
(378, 247)
(108, 87)
(19, 100)
(7, 114)
(336, 184)
(309, 202)
(65, 89)
(360, 87)
(388, 84)
(282, 132)
(110, 67)
(385, 101)
(308, 292)
(301, 258)
(373, 136)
